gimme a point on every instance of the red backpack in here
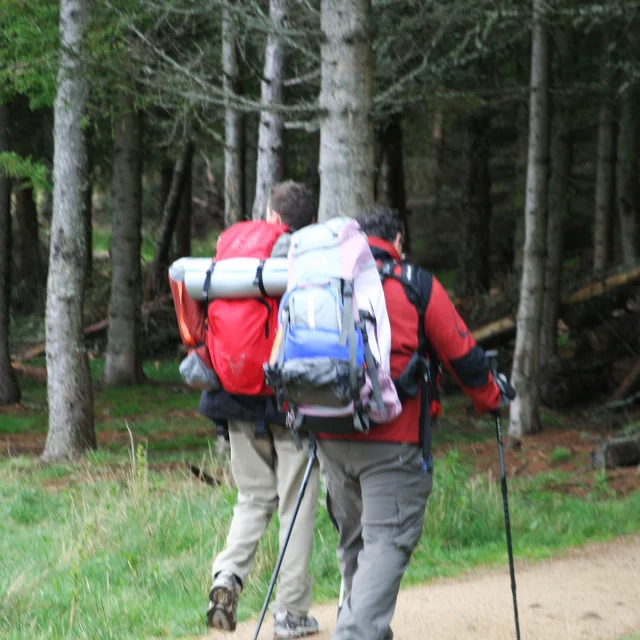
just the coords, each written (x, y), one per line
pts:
(241, 332)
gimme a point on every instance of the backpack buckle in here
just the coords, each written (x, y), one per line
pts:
(386, 269)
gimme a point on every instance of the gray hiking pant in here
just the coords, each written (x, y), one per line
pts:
(378, 495)
(268, 473)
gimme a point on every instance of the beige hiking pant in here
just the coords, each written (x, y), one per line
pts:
(268, 473)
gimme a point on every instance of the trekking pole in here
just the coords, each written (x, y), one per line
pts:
(303, 486)
(492, 355)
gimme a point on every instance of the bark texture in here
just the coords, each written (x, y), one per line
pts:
(391, 179)
(234, 126)
(559, 180)
(605, 172)
(269, 164)
(524, 417)
(628, 189)
(437, 158)
(88, 218)
(347, 162)
(473, 253)
(519, 196)
(123, 362)
(70, 393)
(183, 226)
(9, 390)
(169, 218)
(28, 249)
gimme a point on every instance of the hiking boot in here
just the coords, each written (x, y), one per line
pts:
(223, 601)
(288, 625)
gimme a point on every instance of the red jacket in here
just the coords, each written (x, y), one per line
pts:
(448, 337)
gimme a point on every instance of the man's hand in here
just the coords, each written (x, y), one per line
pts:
(507, 392)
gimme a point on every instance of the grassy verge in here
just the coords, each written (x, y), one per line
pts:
(121, 547)
(112, 548)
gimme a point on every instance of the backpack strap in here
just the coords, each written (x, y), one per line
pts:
(409, 278)
(207, 282)
(349, 333)
(371, 362)
(258, 279)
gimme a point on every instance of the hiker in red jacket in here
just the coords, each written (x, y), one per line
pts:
(379, 482)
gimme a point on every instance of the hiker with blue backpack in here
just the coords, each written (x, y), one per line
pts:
(267, 466)
(361, 341)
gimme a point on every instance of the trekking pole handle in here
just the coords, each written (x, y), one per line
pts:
(492, 357)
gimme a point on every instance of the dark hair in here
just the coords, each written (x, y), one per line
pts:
(381, 222)
(294, 202)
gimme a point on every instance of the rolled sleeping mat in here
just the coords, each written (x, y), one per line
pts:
(232, 277)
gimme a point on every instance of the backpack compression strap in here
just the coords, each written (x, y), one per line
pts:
(207, 282)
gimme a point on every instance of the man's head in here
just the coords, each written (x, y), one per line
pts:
(291, 203)
(383, 222)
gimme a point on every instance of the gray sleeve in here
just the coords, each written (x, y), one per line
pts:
(281, 247)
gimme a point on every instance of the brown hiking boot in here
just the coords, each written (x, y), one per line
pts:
(223, 602)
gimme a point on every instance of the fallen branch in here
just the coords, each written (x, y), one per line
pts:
(595, 289)
(493, 329)
(92, 329)
(628, 383)
(506, 326)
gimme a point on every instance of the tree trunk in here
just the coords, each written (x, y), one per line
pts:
(88, 219)
(524, 418)
(520, 189)
(392, 191)
(70, 392)
(9, 390)
(183, 225)
(436, 160)
(628, 195)
(169, 218)
(233, 128)
(123, 361)
(561, 160)
(28, 244)
(46, 207)
(605, 172)
(346, 133)
(269, 165)
(473, 254)
(166, 177)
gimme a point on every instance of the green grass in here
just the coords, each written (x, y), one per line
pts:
(204, 247)
(102, 242)
(103, 550)
(150, 411)
(559, 455)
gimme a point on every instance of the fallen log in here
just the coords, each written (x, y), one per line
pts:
(506, 327)
(39, 374)
(494, 329)
(595, 289)
(618, 452)
(628, 384)
(39, 349)
(90, 330)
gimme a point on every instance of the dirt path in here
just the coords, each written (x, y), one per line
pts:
(592, 593)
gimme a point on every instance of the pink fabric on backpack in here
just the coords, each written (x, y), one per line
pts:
(354, 261)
